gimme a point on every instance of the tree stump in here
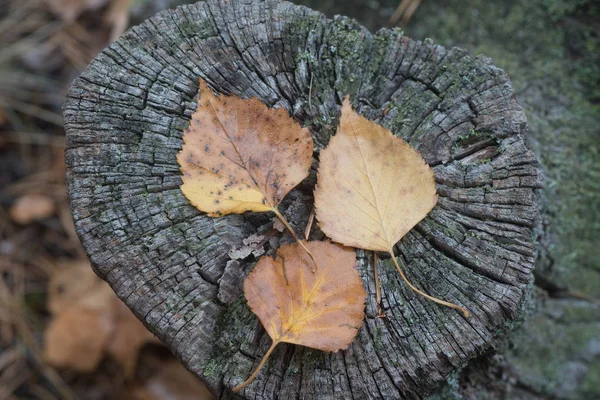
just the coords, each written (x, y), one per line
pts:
(181, 272)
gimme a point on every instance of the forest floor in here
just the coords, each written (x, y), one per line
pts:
(549, 48)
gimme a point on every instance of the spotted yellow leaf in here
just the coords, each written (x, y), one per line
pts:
(238, 155)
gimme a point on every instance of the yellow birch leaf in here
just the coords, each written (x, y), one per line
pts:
(372, 188)
(321, 309)
(238, 155)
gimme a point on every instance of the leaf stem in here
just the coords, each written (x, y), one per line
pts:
(309, 223)
(380, 313)
(300, 241)
(257, 370)
(465, 312)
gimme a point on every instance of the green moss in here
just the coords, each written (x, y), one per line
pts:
(306, 56)
(560, 8)
(383, 38)
(226, 336)
(590, 387)
(311, 358)
(449, 391)
(305, 24)
(228, 316)
(585, 281)
(212, 368)
(447, 231)
(580, 313)
(408, 114)
(200, 29)
(545, 347)
(347, 39)
(349, 43)
(377, 342)
(468, 138)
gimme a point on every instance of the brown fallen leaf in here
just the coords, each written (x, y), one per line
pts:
(129, 337)
(372, 188)
(74, 283)
(322, 310)
(77, 338)
(238, 155)
(31, 207)
(89, 322)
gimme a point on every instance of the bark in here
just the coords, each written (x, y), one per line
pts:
(181, 272)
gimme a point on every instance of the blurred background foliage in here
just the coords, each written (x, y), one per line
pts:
(549, 48)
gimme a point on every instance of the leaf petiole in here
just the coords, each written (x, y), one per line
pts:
(257, 370)
(311, 218)
(380, 313)
(465, 312)
(301, 242)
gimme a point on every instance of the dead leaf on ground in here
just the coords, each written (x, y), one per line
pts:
(322, 310)
(372, 188)
(31, 207)
(73, 283)
(76, 296)
(77, 338)
(129, 337)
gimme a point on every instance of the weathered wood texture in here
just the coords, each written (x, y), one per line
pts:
(181, 272)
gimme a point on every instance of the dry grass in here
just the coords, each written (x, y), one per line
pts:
(404, 12)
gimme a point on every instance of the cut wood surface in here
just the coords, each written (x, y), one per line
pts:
(181, 271)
